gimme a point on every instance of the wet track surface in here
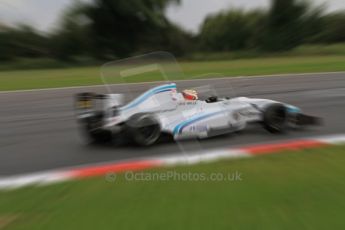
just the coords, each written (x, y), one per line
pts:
(38, 130)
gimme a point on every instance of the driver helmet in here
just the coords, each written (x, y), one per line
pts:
(190, 94)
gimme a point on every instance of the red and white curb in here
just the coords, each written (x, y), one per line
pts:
(49, 177)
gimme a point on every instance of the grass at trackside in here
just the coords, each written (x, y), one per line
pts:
(32, 79)
(299, 190)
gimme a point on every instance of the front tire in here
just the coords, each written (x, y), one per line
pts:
(275, 118)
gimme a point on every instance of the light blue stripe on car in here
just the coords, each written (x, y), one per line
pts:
(153, 91)
(292, 109)
(179, 128)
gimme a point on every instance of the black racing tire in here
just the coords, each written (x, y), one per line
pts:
(275, 118)
(143, 129)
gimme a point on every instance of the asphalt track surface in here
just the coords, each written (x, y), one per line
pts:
(38, 130)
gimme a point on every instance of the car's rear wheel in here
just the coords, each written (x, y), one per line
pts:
(143, 129)
(275, 118)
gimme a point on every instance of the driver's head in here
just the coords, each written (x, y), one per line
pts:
(190, 94)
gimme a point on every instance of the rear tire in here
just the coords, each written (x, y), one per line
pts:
(275, 118)
(143, 129)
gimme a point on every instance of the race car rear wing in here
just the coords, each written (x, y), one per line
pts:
(88, 100)
(88, 104)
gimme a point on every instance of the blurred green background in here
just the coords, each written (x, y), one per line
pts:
(288, 191)
(288, 36)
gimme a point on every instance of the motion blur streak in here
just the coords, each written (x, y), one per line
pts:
(45, 178)
(294, 145)
(119, 167)
(39, 132)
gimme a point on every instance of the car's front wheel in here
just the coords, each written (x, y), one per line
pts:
(275, 118)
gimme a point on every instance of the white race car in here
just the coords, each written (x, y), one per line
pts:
(180, 114)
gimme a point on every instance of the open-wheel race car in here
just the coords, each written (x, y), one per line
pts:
(164, 110)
